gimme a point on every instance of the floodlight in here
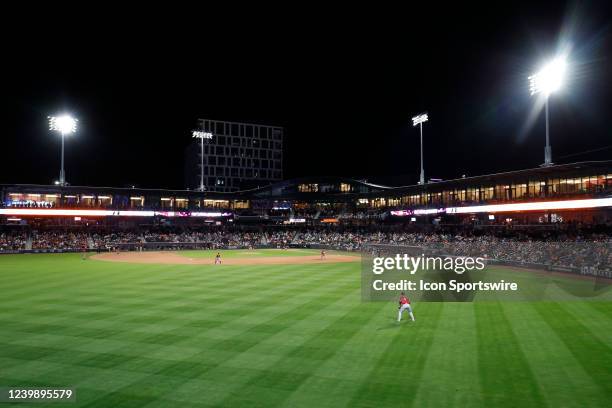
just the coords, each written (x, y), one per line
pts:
(64, 124)
(546, 81)
(549, 79)
(419, 119)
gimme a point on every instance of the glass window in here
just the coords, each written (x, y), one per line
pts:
(308, 188)
(520, 190)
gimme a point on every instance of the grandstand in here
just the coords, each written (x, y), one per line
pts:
(577, 192)
(544, 211)
(563, 203)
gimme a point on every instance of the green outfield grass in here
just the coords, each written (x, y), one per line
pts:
(128, 335)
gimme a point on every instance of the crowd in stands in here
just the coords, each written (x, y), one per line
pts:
(113, 239)
(281, 238)
(59, 240)
(216, 239)
(571, 250)
(12, 241)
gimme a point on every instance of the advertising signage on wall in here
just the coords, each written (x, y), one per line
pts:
(108, 213)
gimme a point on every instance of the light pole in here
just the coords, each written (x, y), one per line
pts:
(545, 82)
(65, 125)
(419, 120)
(198, 134)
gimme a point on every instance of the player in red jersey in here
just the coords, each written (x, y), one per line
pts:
(404, 304)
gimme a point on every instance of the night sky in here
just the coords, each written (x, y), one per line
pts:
(343, 83)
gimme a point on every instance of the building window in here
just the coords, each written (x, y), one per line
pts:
(308, 188)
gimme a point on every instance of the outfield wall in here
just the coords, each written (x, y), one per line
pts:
(162, 246)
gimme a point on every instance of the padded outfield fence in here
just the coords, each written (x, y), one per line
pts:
(163, 246)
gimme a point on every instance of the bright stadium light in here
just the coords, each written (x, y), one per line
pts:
(549, 79)
(198, 134)
(419, 120)
(65, 125)
(546, 81)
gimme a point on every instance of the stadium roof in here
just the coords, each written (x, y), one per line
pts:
(287, 189)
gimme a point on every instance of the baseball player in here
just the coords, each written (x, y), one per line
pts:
(404, 304)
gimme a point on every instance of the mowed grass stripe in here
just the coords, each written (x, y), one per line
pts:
(505, 374)
(596, 320)
(154, 338)
(71, 324)
(241, 316)
(562, 379)
(102, 382)
(394, 379)
(131, 311)
(347, 365)
(279, 383)
(593, 355)
(66, 272)
(454, 350)
(605, 308)
(256, 360)
(231, 345)
(252, 325)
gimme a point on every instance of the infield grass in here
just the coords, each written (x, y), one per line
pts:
(129, 335)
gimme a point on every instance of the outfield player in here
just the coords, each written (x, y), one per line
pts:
(404, 304)
(218, 259)
(322, 254)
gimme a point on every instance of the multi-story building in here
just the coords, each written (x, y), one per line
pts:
(237, 156)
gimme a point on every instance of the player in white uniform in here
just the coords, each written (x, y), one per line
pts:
(404, 304)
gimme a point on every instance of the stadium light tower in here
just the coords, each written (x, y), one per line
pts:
(546, 81)
(65, 125)
(419, 120)
(198, 134)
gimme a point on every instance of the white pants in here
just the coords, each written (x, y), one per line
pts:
(405, 307)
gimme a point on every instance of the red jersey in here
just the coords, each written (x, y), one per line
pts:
(404, 300)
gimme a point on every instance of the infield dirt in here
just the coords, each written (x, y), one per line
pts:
(162, 257)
